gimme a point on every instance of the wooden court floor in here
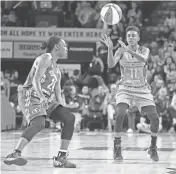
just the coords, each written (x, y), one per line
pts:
(92, 153)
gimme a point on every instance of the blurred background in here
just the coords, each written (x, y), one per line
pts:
(88, 85)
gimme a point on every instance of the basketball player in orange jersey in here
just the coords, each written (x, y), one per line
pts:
(36, 103)
(133, 87)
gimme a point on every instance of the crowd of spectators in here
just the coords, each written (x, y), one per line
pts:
(84, 14)
(91, 96)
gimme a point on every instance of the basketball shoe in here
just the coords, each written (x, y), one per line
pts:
(62, 162)
(152, 152)
(117, 151)
(15, 158)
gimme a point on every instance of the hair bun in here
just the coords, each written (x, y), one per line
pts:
(44, 45)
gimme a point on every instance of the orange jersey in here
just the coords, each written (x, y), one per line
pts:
(133, 71)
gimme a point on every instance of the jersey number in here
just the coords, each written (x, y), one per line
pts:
(133, 73)
(52, 85)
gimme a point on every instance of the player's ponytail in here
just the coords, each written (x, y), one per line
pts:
(50, 43)
(44, 46)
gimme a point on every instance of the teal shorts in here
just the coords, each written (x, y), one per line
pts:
(139, 97)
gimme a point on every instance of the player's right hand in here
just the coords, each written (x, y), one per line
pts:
(44, 102)
(107, 41)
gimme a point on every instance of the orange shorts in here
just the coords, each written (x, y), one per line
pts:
(30, 105)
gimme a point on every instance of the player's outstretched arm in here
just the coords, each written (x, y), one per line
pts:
(41, 66)
(117, 56)
(143, 56)
(112, 60)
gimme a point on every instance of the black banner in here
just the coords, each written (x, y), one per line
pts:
(81, 51)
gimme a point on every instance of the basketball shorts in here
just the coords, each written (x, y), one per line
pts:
(139, 97)
(30, 105)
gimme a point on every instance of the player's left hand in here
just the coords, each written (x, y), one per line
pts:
(123, 45)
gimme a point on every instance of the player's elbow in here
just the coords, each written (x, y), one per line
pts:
(111, 65)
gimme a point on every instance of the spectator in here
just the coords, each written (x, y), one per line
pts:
(85, 96)
(171, 20)
(153, 48)
(171, 75)
(87, 15)
(162, 105)
(135, 15)
(14, 82)
(132, 11)
(4, 17)
(163, 34)
(156, 84)
(170, 70)
(5, 86)
(170, 52)
(97, 101)
(25, 14)
(171, 89)
(96, 66)
(172, 110)
(100, 83)
(115, 35)
(144, 125)
(123, 6)
(173, 37)
(57, 5)
(110, 102)
(74, 104)
(131, 114)
(12, 19)
(76, 78)
(7, 74)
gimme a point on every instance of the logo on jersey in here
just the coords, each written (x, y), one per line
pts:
(43, 78)
(36, 110)
(53, 82)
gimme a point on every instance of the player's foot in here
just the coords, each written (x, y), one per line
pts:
(152, 151)
(15, 158)
(62, 162)
(130, 131)
(117, 151)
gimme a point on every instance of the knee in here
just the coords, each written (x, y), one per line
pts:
(155, 119)
(41, 126)
(69, 118)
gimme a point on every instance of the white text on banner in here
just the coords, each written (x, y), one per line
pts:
(6, 49)
(27, 50)
(41, 34)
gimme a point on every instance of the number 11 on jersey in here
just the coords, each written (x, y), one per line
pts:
(133, 73)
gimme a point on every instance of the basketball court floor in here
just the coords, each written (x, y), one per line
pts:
(92, 153)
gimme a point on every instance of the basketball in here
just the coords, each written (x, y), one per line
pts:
(111, 14)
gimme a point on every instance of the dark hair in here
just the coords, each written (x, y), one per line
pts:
(7, 71)
(49, 44)
(13, 71)
(133, 28)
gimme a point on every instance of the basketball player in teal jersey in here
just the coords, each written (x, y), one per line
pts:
(133, 86)
(36, 103)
